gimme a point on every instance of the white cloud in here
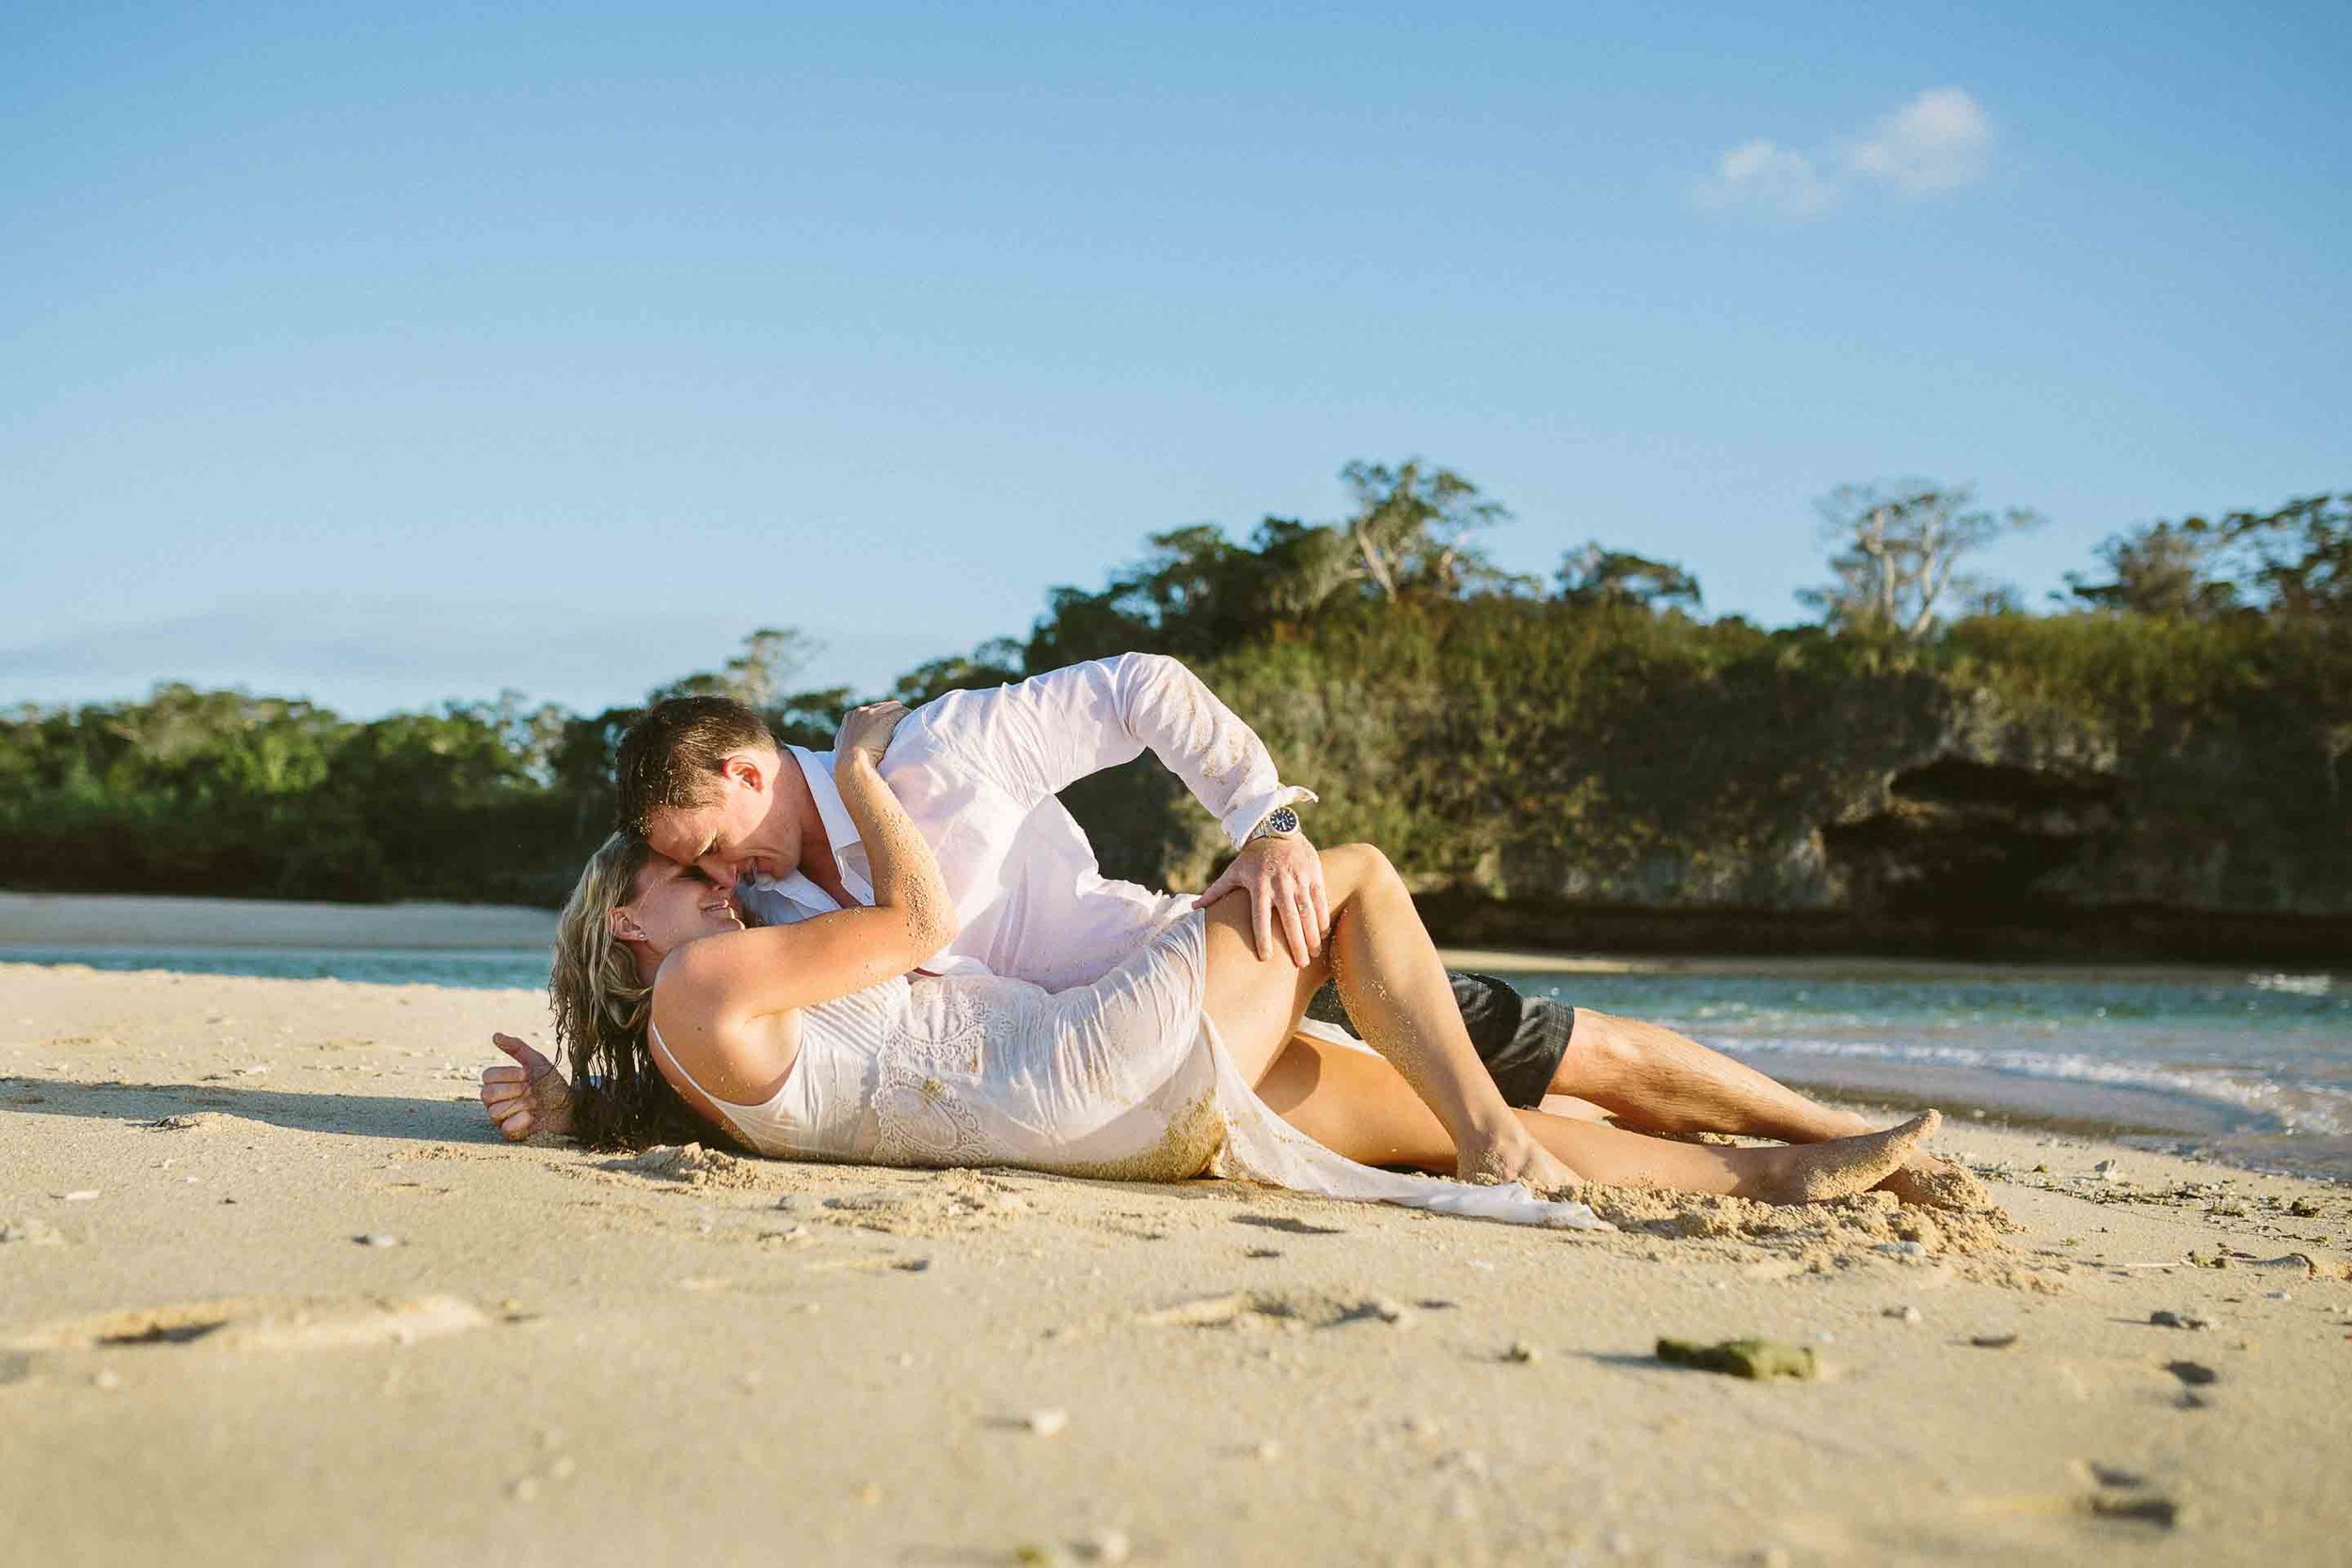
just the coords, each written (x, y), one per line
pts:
(365, 656)
(1938, 140)
(1765, 175)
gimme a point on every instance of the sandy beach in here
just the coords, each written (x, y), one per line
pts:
(271, 1291)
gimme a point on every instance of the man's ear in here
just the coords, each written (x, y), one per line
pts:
(747, 771)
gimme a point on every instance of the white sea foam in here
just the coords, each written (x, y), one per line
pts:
(2294, 985)
(2289, 1106)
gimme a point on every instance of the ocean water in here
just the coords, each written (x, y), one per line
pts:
(469, 969)
(2252, 1067)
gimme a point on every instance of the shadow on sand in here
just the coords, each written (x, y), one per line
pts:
(402, 1117)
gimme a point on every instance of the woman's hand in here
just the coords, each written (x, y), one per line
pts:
(1514, 1156)
(530, 1097)
(865, 732)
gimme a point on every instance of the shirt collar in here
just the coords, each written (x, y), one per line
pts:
(817, 766)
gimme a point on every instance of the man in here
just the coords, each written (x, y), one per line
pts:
(706, 784)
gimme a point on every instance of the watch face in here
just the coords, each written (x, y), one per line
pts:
(1284, 821)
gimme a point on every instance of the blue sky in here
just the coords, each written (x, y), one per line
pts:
(386, 358)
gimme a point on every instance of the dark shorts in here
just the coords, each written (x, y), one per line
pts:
(1521, 1038)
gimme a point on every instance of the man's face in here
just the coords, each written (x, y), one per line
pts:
(741, 830)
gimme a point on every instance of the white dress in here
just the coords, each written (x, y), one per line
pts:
(1124, 1079)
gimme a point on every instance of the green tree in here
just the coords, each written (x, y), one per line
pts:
(993, 663)
(2298, 560)
(1897, 551)
(1412, 527)
(771, 657)
(1591, 574)
(2163, 570)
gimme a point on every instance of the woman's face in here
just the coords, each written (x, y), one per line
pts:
(671, 905)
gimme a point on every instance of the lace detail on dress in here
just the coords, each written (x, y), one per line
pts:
(918, 1118)
(918, 1121)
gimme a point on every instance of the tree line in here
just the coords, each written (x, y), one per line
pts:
(2170, 734)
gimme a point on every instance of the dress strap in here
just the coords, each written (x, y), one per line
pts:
(653, 1036)
(765, 1127)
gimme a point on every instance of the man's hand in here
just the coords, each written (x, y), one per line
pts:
(530, 1097)
(1284, 878)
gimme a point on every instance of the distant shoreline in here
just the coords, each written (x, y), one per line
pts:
(120, 921)
(143, 919)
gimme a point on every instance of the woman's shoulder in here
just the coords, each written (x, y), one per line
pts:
(741, 1059)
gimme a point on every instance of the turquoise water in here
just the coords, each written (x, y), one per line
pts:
(470, 969)
(2251, 1066)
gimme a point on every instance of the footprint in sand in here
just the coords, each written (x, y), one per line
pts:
(1278, 1309)
(1289, 1225)
(264, 1324)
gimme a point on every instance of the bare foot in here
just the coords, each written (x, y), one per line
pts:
(1811, 1173)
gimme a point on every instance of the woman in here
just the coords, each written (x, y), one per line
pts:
(811, 1040)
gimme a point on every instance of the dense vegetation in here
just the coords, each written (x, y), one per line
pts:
(1927, 757)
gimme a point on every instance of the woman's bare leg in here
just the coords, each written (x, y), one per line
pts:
(1353, 1103)
(1387, 970)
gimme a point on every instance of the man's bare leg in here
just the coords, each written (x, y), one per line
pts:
(1654, 1080)
(1352, 1102)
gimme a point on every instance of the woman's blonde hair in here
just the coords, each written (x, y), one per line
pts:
(601, 1009)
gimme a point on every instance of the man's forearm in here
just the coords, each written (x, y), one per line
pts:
(1171, 711)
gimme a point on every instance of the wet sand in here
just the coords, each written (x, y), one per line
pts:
(273, 1293)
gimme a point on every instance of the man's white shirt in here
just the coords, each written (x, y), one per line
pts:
(977, 772)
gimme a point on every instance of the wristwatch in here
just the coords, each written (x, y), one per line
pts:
(1279, 823)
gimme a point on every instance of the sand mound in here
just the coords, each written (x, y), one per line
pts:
(1818, 1237)
(691, 1163)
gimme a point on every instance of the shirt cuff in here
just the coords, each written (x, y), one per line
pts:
(1247, 815)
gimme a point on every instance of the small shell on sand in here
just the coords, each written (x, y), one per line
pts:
(1047, 1423)
(1107, 1546)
